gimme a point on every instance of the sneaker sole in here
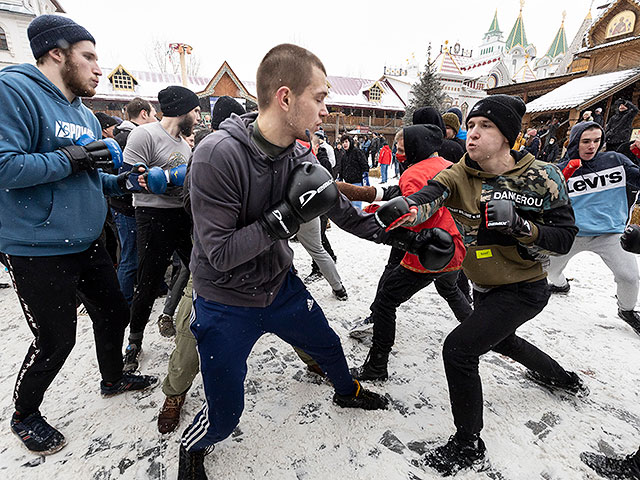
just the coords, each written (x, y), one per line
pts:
(107, 395)
(557, 390)
(43, 453)
(361, 332)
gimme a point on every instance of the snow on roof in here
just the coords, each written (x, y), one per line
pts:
(149, 84)
(578, 91)
(402, 85)
(624, 40)
(348, 92)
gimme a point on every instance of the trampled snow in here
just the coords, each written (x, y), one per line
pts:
(290, 428)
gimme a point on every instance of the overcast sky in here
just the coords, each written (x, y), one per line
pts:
(351, 38)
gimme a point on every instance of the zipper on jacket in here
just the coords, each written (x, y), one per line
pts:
(272, 247)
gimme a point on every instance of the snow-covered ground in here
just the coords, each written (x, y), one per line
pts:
(290, 428)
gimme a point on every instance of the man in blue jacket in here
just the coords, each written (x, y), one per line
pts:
(598, 195)
(52, 209)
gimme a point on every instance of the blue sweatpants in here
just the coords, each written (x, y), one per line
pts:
(226, 335)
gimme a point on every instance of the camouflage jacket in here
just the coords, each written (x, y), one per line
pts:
(539, 193)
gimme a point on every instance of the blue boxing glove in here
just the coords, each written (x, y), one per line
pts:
(128, 178)
(158, 179)
(90, 154)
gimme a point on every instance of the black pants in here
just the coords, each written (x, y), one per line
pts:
(399, 286)
(492, 325)
(161, 231)
(47, 288)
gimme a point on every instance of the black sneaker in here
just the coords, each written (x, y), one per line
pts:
(131, 357)
(559, 289)
(613, 468)
(129, 382)
(361, 398)
(362, 329)
(191, 464)
(575, 386)
(456, 455)
(37, 435)
(341, 294)
(312, 277)
(632, 318)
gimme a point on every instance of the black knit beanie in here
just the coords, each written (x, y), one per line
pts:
(176, 100)
(503, 110)
(47, 32)
(105, 120)
(223, 109)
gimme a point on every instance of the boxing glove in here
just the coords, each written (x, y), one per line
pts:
(158, 179)
(501, 215)
(91, 154)
(393, 212)
(434, 246)
(630, 239)
(310, 191)
(128, 178)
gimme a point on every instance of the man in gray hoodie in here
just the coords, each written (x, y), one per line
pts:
(251, 188)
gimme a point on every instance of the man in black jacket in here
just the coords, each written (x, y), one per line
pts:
(620, 124)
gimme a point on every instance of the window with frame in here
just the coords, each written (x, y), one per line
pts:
(122, 81)
(375, 94)
(3, 40)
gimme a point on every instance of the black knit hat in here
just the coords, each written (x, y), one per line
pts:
(47, 32)
(223, 109)
(105, 120)
(503, 110)
(176, 100)
(421, 141)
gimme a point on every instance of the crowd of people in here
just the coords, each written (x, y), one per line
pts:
(483, 212)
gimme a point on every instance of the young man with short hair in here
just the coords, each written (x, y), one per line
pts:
(52, 210)
(514, 211)
(252, 186)
(598, 192)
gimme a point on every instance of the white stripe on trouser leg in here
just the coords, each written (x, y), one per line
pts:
(31, 321)
(196, 432)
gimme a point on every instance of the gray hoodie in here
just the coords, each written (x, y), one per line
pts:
(234, 261)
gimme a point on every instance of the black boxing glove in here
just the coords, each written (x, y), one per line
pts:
(89, 154)
(434, 246)
(310, 192)
(630, 239)
(501, 215)
(393, 212)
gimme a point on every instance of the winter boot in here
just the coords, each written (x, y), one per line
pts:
(341, 294)
(169, 416)
(131, 357)
(361, 398)
(614, 468)
(129, 382)
(374, 367)
(37, 435)
(316, 370)
(362, 329)
(191, 464)
(559, 289)
(166, 326)
(574, 386)
(632, 318)
(457, 454)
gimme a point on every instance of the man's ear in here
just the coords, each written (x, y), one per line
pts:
(283, 97)
(56, 54)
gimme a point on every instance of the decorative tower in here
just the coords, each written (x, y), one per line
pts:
(547, 65)
(516, 48)
(565, 65)
(492, 43)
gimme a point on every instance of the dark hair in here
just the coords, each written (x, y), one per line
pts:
(65, 50)
(285, 65)
(137, 105)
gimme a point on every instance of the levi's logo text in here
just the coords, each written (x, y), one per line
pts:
(517, 198)
(597, 182)
(71, 130)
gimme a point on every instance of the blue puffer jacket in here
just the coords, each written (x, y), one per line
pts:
(44, 208)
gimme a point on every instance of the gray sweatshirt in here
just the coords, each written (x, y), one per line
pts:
(234, 261)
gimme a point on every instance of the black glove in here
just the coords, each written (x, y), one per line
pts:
(434, 247)
(630, 239)
(128, 180)
(501, 215)
(393, 212)
(105, 154)
(310, 192)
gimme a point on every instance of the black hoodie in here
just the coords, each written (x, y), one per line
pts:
(450, 149)
(420, 142)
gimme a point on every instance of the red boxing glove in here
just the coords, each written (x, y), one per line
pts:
(371, 208)
(571, 167)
